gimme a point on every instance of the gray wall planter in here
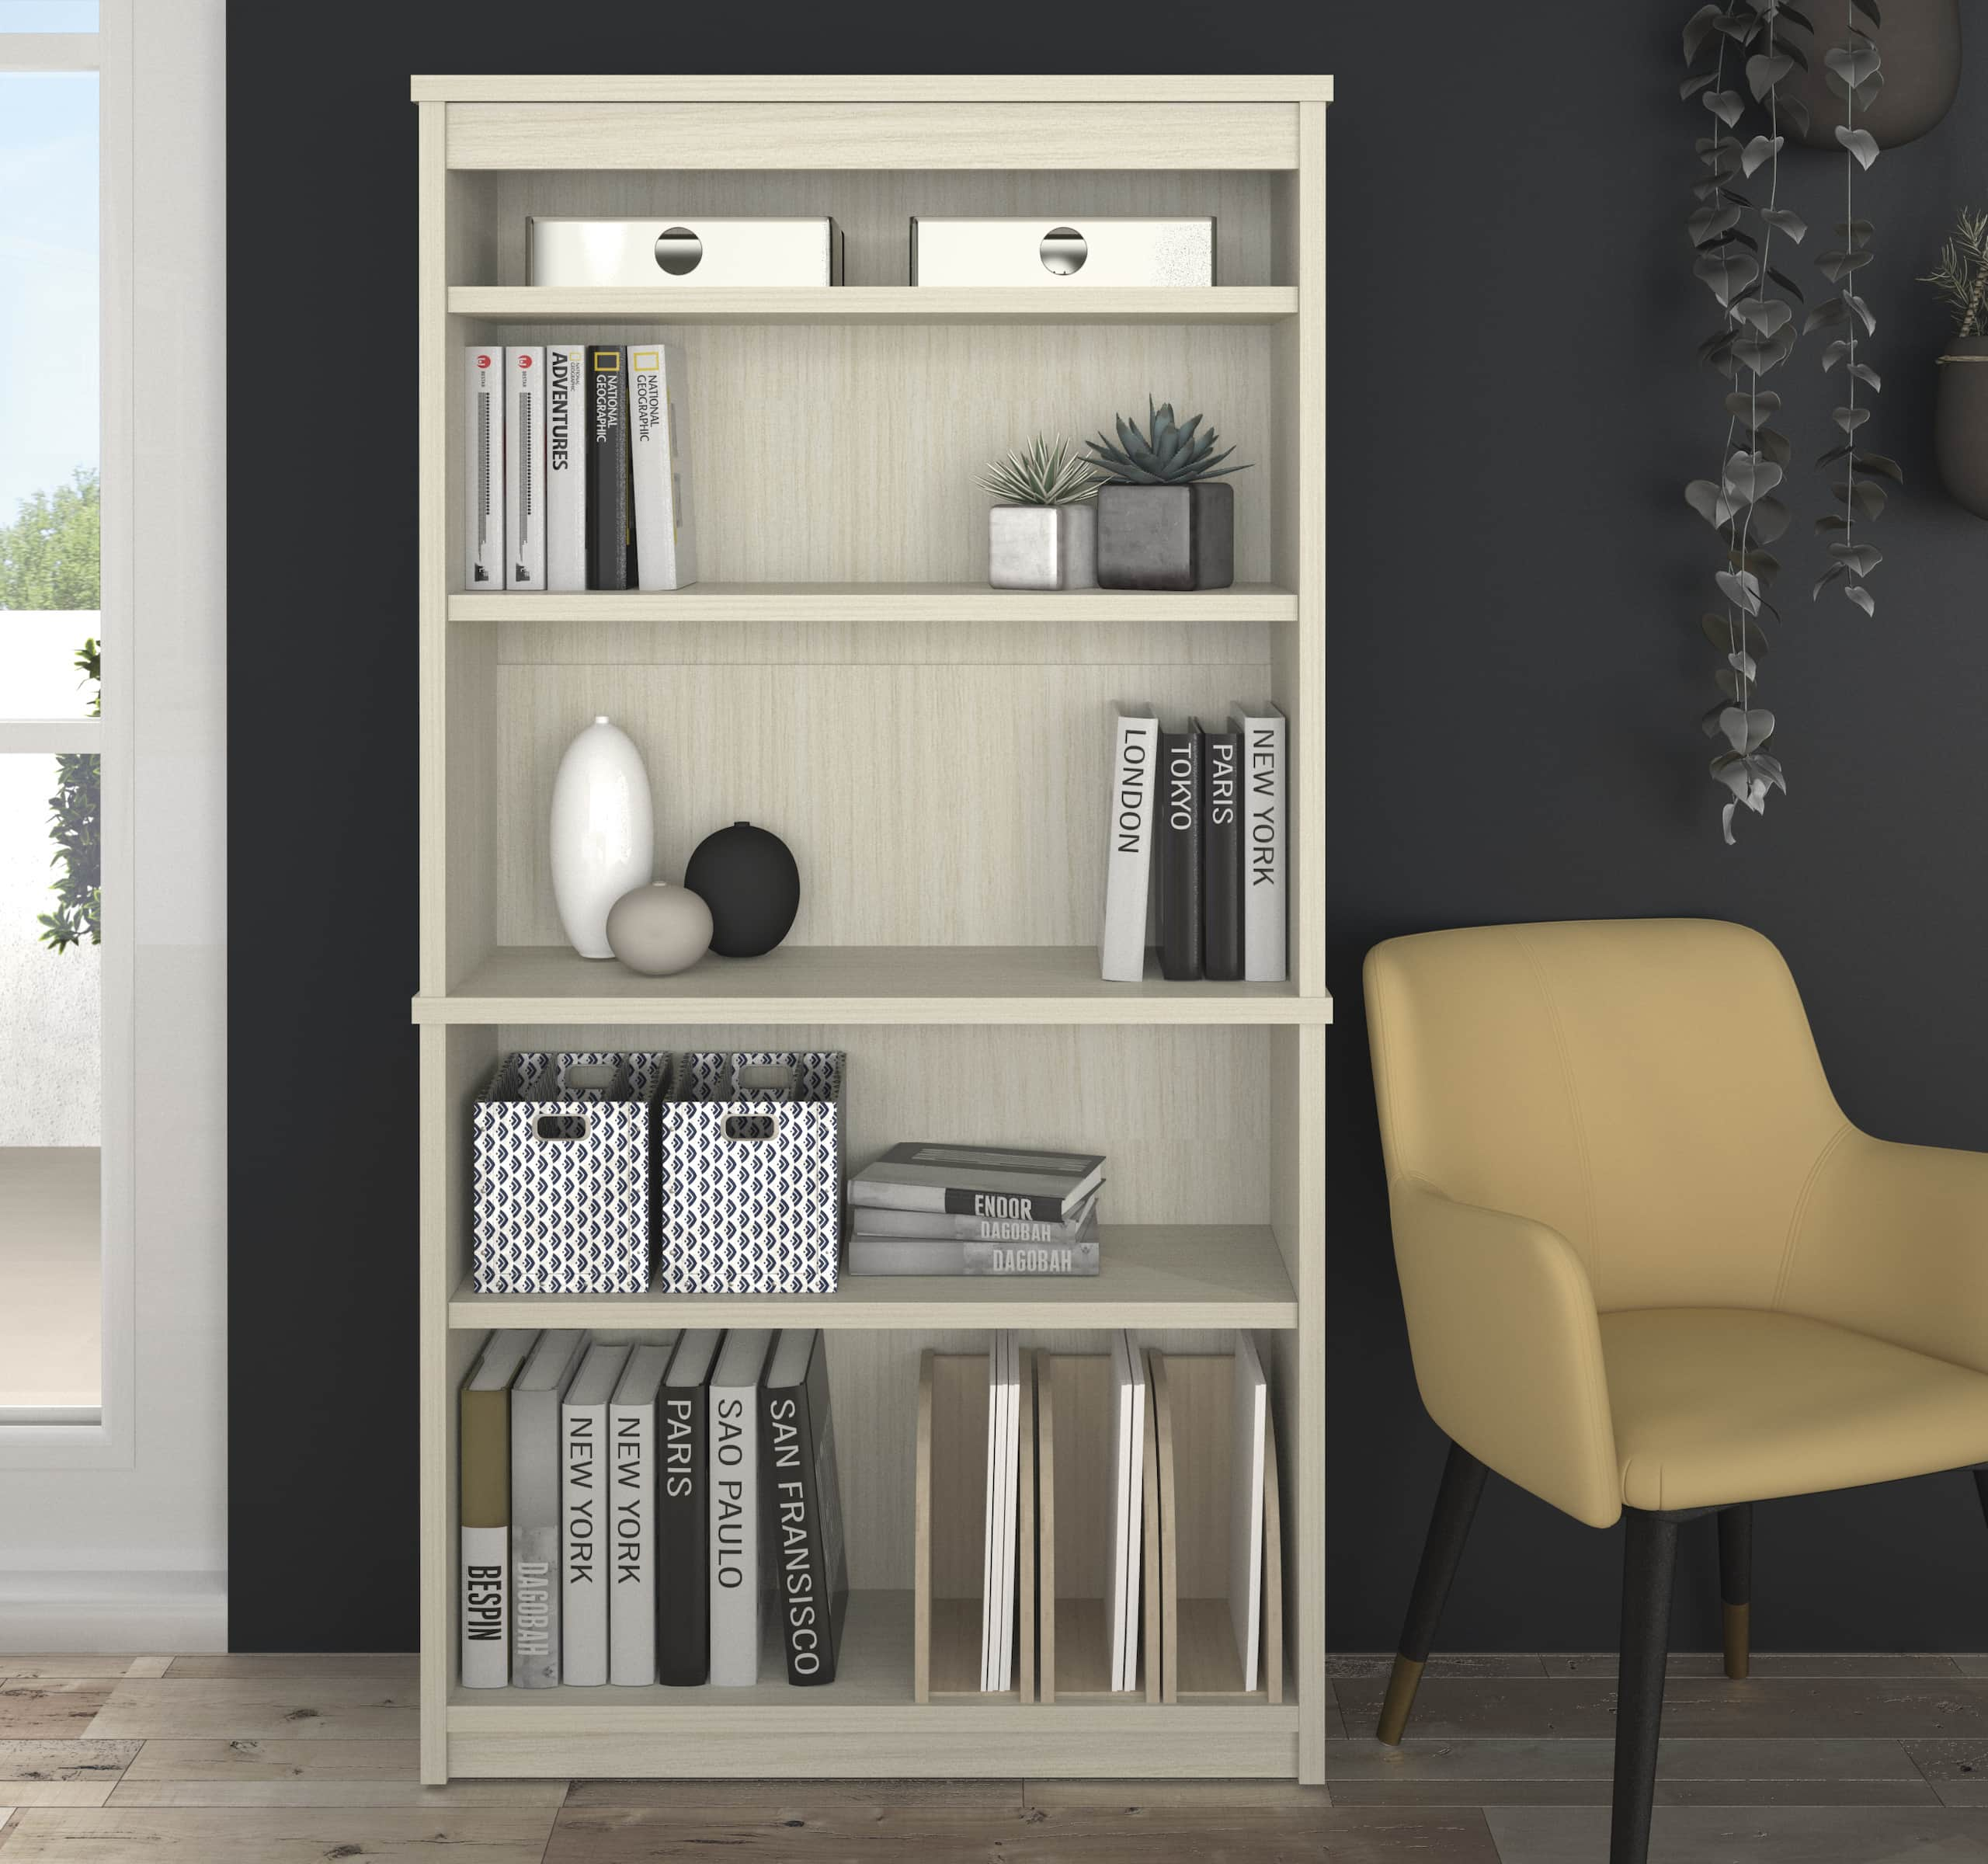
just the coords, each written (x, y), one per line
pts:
(1960, 423)
(1919, 43)
(1042, 546)
(1166, 536)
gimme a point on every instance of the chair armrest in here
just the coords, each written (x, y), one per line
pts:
(1893, 1240)
(1501, 1318)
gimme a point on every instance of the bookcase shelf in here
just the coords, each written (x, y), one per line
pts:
(936, 752)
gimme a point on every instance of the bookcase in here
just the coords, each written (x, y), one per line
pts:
(937, 753)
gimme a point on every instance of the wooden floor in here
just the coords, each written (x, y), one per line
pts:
(297, 1760)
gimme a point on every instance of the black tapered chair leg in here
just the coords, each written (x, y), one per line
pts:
(1981, 1487)
(1735, 1584)
(1456, 1504)
(1650, 1562)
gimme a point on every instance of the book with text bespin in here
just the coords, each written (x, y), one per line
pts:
(565, 466)
(631, 1518)
(977, 1181)
(584, 1503)
(485, 1501)
(1222, 856)
(659, 433)
(536, 1395)
(610, 519)
(524, 466)
(738, 1584)
(1179, 850)
(1129, 833)
(1266, 881)
(803, 1506)
(483, 467)
(683, 1512)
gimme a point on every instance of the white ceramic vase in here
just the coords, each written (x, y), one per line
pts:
(603, 832)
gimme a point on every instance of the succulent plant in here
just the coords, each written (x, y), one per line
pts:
(1044, 472)
(1167, 454)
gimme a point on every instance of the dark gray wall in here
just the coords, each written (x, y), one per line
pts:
(1516, 673)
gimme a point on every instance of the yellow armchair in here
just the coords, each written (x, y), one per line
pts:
(1639, 1293)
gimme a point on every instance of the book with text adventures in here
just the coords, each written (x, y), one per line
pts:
(565, 466)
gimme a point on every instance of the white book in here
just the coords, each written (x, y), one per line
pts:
(997, 1600)
(537, 1395)
(565, 466)
(483, 467)
(1011, 1393)
(484, 1551)
(524, 466)
(1246, 1506)
(1129, 836)
(991, 1531)
(738, 1589)
(1128, 1422)
(659, 433)
(1266, 880)
(631, 1518)
(584, 1548)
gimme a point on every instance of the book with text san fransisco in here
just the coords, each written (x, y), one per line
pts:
(565, 466)
(611, 518)
(1179, 850)
(536, 1395)
(658, 435)
(524, 466)
(1266, 882)
(585, 1573)
(739, 1592)
(631, 1518)
(1129, 832)
(1222, 856)
(483, 467)
(683, 1512)
(484, 1492)
(978, 1180)
(804, 1505)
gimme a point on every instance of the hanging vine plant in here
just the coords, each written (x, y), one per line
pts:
(1732, 232)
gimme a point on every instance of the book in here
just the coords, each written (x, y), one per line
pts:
(931, 1225)
(524, 466)
(1128, 1399)
(935, 1256)
(631, 1518)
(1129, 832)
(1266, 881)
(737, 1586)
(483, 467)
(977, 1181)
(1246, 1505)
(1178, 850)
(1222, 855)
(998, 1598)
(484, 1495)
(804, 1505)
(991, 1527)
(610, 546)
(584, 1501)
(537, 1394)
(683, 1512)
(658, 432)
(565, 466)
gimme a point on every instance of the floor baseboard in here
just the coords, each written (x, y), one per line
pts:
(113, 1612)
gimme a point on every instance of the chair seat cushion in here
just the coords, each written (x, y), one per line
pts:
(1714, 1405)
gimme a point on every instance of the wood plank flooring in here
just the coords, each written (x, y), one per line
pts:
(1826, 1759)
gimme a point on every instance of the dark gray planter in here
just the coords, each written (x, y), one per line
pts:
(1166, 536)
(1960, 423)
(1919, 43)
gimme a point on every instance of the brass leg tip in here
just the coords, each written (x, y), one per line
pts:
(1403, 1682)
(1739, 1641)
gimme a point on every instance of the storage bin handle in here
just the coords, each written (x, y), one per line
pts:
(750, 1127)
(561, 1127)
(767, 1077)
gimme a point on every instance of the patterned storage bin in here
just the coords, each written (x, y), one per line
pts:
(749, 1168)
(564, 1158)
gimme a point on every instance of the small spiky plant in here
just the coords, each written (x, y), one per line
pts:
(1961, 276)
(1167, 454)
(1044, 472)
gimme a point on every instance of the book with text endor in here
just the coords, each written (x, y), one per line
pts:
(682, 1493)
(977, 1181)
(484, 1499)
(936, 1226)
(658, 438)
(524, 466)
(565, 466)
(1222, 856)
(1266, 880)
(483, 467)
(584, 1567)
(803, 1506)
(632, 1490)
(611, 562)
(536, 1395)
(738, 1593)
(1129, 835)
(1179, 852)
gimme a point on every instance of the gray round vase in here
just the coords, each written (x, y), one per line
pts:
(659, 929)
(1920, 44)
(1960, 423)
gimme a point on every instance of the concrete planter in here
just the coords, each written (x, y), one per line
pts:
(1166, 536)
(1920, 43)
(1042, 546)
(1960, 423)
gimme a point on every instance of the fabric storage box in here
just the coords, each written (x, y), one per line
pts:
(749, 1170)
(563, 1163)
(665, 251)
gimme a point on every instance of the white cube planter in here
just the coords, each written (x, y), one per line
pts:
(1042, 546)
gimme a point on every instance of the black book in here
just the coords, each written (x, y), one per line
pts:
(802, 1506)
(1222, 856)
(610, 506)
(682, 1513)
(1179, 809)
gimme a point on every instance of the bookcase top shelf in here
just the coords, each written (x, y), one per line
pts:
(879, 304)
(1149, 1275)
(852, 984)
(621, 87)
(906, 602)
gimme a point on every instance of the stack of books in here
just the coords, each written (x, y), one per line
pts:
(929, 1209)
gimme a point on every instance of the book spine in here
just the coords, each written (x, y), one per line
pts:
(916, 1227)
(631, 1595)
(1222, 858)
(610, 552)
(583, 1582)
(483, 469)
(1122, 948)
(794, 1535)
(658, 423)
(905, 1255)
(1264, 956)
(735, 1535)
(524, 466)
(535, 1628)
(565, 466)
(683, 1647)
(1179, 854)
(485, 1553)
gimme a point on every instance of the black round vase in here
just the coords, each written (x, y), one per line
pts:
(1920, 44)
(748, 878)
(1960, 423)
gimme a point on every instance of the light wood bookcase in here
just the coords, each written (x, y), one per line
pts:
(937, 753)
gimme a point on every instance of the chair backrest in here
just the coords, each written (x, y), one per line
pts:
(1649, 1088)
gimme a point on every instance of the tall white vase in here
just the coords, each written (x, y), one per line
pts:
(603, 832)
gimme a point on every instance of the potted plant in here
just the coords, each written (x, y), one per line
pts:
(1165, 520)
(1960, 415)
(1044, 532)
